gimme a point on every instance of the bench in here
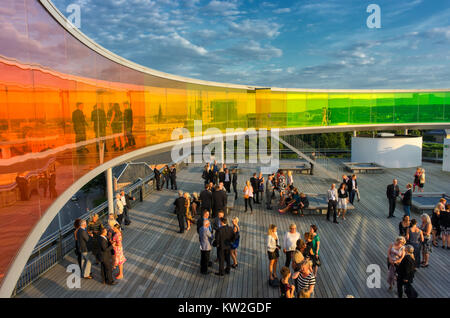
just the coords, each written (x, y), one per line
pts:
(361, 167)
(318, 203)
(297, 168)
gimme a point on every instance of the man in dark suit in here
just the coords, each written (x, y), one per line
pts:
(180, 210)
(157, 178)
(407, 200)
(352, 185)
(85, 250)
(106, 249)
(206, 198)
(173, 178)
(211, 175)
(128, 124)
(234, 183)
(98, 117)
(225, 236)
(254, 183)
(392, 192)
(79, 127)
(219, 200)
(221, 176)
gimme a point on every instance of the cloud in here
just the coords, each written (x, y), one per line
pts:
(253, 50)
(282, 10)
(224, 8)
(256, 29)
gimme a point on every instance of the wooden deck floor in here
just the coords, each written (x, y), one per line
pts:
(163, 263)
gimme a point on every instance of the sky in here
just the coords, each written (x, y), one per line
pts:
(297, 44)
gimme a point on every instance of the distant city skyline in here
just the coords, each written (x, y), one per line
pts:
(299, 44)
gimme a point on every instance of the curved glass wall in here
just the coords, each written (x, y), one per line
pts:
(65, 109)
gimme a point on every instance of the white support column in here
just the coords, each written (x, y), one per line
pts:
(109, 190)
(446, 154)
(406, 131)
(222, 153)
(354, 133)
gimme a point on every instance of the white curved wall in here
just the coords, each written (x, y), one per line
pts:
(389, 152)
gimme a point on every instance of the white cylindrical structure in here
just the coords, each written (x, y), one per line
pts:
(446, 154)
(389, 152)
(110, 191)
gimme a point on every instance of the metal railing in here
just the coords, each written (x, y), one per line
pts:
(52, 250)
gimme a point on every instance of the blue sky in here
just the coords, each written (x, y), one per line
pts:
(301, 44)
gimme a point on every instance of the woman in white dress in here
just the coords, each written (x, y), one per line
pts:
(342, 200)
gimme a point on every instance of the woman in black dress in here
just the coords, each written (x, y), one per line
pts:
(403, 226)
(405, 274)
(234, 182)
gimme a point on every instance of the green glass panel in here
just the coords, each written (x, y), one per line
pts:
(361, 108)
(297, 113)
(338, 109)
(431, 107)
(277, 116)
(447, 107)
(406, 107)
(317, 106)
(383, 112)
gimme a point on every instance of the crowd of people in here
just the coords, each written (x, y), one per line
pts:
(169, 175)
(101, 244)
(301, 254)
(297, 277)
(412, 248)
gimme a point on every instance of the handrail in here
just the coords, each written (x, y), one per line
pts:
(69, 227)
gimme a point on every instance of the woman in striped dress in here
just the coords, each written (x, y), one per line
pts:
(305, 281)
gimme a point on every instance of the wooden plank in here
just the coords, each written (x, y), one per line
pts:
(163, 263)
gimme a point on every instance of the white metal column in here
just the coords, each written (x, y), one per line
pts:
(109, 190)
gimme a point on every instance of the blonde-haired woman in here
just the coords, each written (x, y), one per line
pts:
(195, 204)
(426, 228)
(273, 251)
(248, 195)
(290, 179)
(421, 179)
(118, 257)
(396, 252)
(187, 205)
(235, 244)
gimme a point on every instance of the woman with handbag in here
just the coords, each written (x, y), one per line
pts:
(273, 251)
(235, 244)
(248, 196)
(187, 205)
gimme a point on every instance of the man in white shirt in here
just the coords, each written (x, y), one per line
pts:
(332, 196)
(119, 208)
(290, 243)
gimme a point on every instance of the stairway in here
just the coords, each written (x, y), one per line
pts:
(326, 165)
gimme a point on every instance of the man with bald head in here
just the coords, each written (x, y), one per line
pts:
(392, 192)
